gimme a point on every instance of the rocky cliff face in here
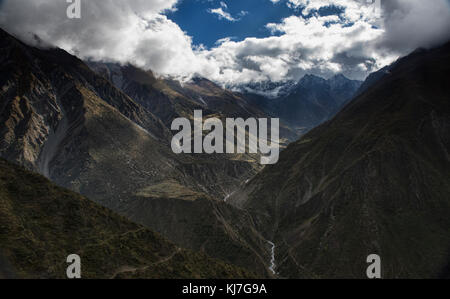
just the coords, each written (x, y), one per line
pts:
(61, 119)
(169, 99)
(373, 180)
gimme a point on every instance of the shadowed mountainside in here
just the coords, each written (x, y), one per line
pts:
(41, 224)
(375, 179)
(61, 119)
(169, 99)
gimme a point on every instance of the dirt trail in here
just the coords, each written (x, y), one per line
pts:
(129, 269)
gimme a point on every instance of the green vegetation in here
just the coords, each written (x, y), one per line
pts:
(169, 189)
(41, 224)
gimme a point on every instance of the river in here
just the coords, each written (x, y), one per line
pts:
(272, 259)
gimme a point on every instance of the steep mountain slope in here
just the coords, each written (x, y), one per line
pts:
(373, 180)
(373, 78)
(169, 99)
(212, 227)
(147, 90)
(61, 119)
(41, 224)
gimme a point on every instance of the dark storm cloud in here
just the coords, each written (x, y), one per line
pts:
(415, 23)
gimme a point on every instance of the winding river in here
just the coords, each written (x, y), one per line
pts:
(272, 260)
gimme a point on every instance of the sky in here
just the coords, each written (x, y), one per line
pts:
(210, 21)
(236, 41)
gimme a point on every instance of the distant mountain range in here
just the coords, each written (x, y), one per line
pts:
(266, 89)
(300, 105)
(307, 103)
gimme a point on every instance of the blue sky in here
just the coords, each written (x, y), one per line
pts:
(251, 17)
(193, 16)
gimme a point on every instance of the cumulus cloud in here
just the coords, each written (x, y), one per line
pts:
(355, 41)
(408, 24)
(133, 31)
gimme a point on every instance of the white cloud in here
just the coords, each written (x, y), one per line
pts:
(223, 40)
(222, 14)
(133, 31)
(137, 31)
(299, 49)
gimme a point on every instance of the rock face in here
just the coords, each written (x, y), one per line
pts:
(63, 120)
(373, 180)
(41, 224)
(169, 99)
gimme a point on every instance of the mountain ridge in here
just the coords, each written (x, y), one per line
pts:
(41, 224)
(309, 102)
(63, 120)
(373, 179)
